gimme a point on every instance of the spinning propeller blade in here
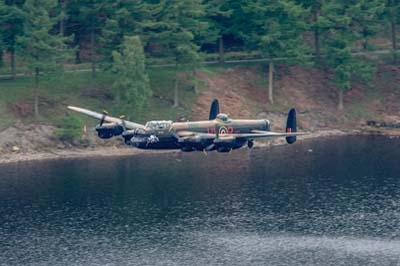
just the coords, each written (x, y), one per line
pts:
(105, 113)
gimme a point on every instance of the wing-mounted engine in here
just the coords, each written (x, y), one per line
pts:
(109, 130)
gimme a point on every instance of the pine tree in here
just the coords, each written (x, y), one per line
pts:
(340, 39)
(125, 19)
(275, 28)
(315, 7)
(219, 13)
(365, 16)
(11, 26)
(392, 15)
(41, 50)
(86, 18)
(132, 82)
(174, 26)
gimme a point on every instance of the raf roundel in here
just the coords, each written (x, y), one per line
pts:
(223, 131)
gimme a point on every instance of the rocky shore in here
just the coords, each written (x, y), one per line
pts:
(45, 147)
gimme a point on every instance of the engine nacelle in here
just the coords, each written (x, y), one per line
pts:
(226, 146)
(106, 132)
(224, 149)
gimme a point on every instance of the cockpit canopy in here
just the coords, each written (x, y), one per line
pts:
(223, 117)
(159, 125)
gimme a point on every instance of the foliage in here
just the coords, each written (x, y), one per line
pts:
(174, 27)
(132, 81)
(338, 19)
(219, 18)
(71, 128)
(38, 47)
(126, 18)
(11, 25)
(182, 31)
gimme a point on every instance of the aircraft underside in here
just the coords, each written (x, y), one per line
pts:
(173, 143)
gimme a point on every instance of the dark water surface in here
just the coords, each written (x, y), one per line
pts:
(336, 205)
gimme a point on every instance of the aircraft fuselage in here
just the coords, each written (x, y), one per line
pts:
(164, 136)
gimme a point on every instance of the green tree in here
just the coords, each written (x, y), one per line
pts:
(132, 81)
(337, 20)
(11, 26)
(219, 13)
(276, 28)
(174, 26)
(40, 49)
(86, 18)
(315, 7)
(125, 19)
(366, 21)
(70, 128)
(392, 15)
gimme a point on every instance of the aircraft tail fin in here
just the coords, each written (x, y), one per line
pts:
(214, 110)
(291, 126)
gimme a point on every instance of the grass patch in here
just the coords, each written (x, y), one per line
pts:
(359, 110)
(58, 90)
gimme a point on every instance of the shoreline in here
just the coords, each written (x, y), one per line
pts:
(81, 153)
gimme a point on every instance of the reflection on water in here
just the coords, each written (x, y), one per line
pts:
(336, 205)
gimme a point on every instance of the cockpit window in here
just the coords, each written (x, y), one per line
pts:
(159, 125)
(223, 117)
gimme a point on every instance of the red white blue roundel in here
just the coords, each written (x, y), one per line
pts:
(223, 131)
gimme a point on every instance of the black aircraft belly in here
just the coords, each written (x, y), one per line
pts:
(162, 143)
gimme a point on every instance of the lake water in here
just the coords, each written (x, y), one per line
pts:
(332, 201)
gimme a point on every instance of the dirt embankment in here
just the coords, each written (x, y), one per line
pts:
(242, 92)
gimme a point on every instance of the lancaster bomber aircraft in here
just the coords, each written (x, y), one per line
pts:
(219, 133)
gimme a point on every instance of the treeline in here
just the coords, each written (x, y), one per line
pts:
(45, 34)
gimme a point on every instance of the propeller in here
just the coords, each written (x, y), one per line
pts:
(210, 147)
(105, 113)
(250, 143)
(123, 123)
(216, 131)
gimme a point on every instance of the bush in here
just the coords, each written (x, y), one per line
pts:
(70, 128)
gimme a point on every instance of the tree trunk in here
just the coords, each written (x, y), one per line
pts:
(340, 103)
(195, 85)
(394, 39)
(221, 50)
(270, 82)
(36, 94)
(62, 19)
(118, 96)
(1, 58)
(92, 55)
(78, 56)
(316, 34)
(77, 52)
(365, 39)
(13, 67)
(176, 95)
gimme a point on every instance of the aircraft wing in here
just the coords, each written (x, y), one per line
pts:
(255, 134)
(266, 134)
(110, 119)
